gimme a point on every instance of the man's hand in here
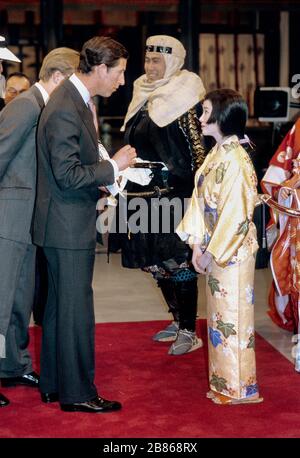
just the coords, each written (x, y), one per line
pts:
(104, 189)
(125, 157)
(201, 261)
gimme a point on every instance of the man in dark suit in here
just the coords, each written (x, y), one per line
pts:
(69, 177)
(18, 122)
(5, 54)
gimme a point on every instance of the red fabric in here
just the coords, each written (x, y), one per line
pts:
(163, 396)
(283, 156)
(289, 313)
(285, 264)
(281, 257)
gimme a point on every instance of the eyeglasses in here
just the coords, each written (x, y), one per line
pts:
(13, 91)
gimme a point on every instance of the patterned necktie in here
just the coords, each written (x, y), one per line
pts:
(94, 113)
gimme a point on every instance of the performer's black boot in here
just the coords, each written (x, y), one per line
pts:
(187, 299)
(170, 332)
(168, 289)
(186, 339)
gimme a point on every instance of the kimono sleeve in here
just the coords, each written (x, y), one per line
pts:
(192, 224)
(236, 201)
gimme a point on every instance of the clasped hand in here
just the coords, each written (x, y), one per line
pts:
(125, 157)
(201, 261)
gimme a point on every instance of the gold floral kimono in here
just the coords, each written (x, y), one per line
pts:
(220, 215)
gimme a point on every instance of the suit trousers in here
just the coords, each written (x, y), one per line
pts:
(68, 347)
(17, 274)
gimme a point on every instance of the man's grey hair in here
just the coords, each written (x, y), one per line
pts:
(64, 60)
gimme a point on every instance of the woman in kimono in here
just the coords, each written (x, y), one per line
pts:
(218, 226)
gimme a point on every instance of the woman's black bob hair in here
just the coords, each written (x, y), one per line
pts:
(229, 111)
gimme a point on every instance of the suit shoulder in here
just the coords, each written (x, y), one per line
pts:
(66, 88)
(29, 96)
(21, 107)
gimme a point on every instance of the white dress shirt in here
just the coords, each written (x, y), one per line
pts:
(43, 91)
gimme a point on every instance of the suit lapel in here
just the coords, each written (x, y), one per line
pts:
(84, 112)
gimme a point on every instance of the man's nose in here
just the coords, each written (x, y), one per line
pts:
(121, 80)
(150, 66)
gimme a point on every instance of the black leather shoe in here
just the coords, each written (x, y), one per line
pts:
(3, 401)
(31, 380)
(97, 405)
(49, 397)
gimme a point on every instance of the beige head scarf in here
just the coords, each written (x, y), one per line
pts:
(173, 95)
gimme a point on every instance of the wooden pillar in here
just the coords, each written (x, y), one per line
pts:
(294, 49)
(270, 22)
(188, 19)
(51, 24)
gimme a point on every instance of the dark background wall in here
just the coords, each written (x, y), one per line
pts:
(33, 27)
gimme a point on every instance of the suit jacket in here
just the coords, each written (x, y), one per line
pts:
(69, 173)
(18, 122)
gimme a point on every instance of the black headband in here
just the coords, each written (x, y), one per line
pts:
(3, 44)
(165, 49)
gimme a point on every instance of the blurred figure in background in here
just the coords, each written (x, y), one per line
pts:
(5, 55)
(2, 81)
(281, 181)
(16, 83)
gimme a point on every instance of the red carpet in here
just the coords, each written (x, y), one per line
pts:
(162, 396)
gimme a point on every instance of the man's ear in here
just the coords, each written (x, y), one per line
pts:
(57, 77)
(101, 70)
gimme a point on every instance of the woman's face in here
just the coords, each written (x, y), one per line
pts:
(208, 129)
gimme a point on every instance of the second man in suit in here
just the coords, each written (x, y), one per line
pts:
(18, 122)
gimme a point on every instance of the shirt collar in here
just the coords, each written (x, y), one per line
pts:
(43, 91)
(82, 89)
